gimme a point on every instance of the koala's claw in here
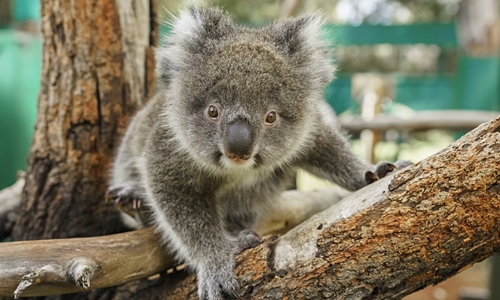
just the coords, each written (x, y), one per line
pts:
(247, 239)
(383, 169)
(370, 177)
(127, 197)
(380, 172)
(136, 203)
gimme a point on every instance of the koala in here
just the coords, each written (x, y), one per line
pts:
(238, 111)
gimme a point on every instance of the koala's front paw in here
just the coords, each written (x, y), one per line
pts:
(217, 283)
(247, 239)
(127, 196)
(383, 168)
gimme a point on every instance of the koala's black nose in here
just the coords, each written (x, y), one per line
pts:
(239, 140)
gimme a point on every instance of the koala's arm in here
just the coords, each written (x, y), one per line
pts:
(329, 156)
(125, 182)
(188, 215)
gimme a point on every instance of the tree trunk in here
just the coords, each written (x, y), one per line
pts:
(398, 235)
(479, 27)
(97, 68)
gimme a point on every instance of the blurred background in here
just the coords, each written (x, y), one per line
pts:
(429, 68)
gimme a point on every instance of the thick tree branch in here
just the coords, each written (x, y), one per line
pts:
(403, 233)
(396, 236)
(58, 266)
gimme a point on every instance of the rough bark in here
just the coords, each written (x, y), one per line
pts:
(400, 234)
(97, 68)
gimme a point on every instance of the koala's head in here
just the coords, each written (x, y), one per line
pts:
(242, 98)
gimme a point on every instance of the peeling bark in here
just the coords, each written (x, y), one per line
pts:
(398, 235)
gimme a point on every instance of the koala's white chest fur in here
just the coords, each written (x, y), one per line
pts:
(239, 180)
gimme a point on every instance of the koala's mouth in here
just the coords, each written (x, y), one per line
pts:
(238, 159)
(231, 161)
(253, 162)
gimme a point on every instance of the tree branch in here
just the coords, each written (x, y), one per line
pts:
(50, 267)
(400, 234)
(423, 120)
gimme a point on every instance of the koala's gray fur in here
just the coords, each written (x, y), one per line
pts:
(208, 178)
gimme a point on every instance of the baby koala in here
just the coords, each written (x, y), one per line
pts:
(239, 110)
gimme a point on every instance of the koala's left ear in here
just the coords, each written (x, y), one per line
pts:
(194, 34)
(301, 40)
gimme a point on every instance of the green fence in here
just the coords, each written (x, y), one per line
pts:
(20, 62)
(475, 85)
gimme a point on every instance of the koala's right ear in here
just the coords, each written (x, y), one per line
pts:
(301, 40)
(194, 35)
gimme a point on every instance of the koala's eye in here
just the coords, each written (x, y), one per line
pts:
(213, 112)
(271, 117)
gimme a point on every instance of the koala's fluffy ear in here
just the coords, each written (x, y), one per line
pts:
(300, 39)
(194, 33)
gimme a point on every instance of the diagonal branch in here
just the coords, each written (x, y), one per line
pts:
(405, 232)
(400, 234)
